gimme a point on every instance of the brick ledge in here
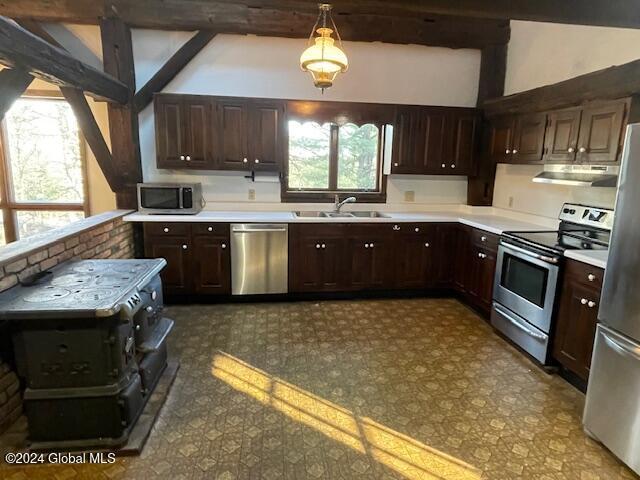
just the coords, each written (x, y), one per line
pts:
(22, 248)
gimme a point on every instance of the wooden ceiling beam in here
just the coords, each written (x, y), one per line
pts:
(609, 83)
(22, 49)
(613, 13)
(13, 82)
(171, 68)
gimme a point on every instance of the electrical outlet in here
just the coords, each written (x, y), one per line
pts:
(409, 196)
(252, 194)
(510, 202)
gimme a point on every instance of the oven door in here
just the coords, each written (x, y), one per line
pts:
(525, 283)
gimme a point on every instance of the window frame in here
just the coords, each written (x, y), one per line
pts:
(337, 114)
(8, 205)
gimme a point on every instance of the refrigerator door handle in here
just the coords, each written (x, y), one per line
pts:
(621, 349)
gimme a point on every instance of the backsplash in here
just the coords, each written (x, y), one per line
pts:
(514, 190)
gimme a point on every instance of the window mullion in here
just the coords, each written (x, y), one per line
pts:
(333, 158)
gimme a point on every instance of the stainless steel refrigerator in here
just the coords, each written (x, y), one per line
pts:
(612, 410)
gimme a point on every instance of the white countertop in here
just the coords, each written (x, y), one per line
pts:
(597, 258)
(490, 223)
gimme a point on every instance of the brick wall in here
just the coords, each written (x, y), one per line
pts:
(112, 239)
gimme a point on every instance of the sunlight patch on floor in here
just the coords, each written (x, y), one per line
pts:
(410, 458)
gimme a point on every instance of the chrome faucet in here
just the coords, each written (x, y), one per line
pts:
(338, 204)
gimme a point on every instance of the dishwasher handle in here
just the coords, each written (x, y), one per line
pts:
(259, 228)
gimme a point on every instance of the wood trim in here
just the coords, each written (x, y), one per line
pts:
(609, 83)
(22, 49)
(171, 68)
(13, 82)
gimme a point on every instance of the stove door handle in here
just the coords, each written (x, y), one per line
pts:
(529, 253)
(518, 325)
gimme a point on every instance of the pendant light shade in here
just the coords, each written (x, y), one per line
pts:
(323, 58)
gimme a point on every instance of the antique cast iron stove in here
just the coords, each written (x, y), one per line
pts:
(90, 345)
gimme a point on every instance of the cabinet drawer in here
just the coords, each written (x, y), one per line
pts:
(481, 238)
(166, 229)
(318, 230)
(413, 228)
(217, 229)
(585, 274)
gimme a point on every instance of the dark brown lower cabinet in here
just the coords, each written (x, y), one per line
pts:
(415, 260)
(317, 257)
(198, 257)
(577, 317)
(370, 250)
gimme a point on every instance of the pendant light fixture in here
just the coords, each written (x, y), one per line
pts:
(323, 59)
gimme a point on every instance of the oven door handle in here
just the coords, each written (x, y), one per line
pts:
(519, 325)
(529, 253)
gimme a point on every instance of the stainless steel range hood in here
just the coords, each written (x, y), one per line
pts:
(579, 175)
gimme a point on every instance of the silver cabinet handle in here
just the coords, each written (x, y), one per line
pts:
(184, 246)
(165, 229)
(366, 245)
(507, 151)
(395, 164)
(514, 151)
(570, 150)
(582, 150)
(188, 158)
(583, 301)
(444, 165)
(426, 244)
(317, 246)
(371, 245)
(224, 245)
(591, 304)
(324, 246)
(396, 227)
(483, 238)
(417, 229)
(257, 161)
(245, 160)
(181, 157)
(453, 165)
(210, 229)
(591, 277)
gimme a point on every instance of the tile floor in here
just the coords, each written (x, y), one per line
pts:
(371, 389)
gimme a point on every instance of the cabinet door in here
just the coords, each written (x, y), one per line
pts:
(463, 259)
(529, 138)
(576, 327)
(332, 264)
(198, 133)
(561, 138)
(407, 145)
(464, 143)
(436, 136)
(212, 265)
(232, 135)
(445, 254)
(266, 122)
(169, 121)
(415, 261)
(371, 264)
(501, 139)
(176, 250)
(601, 133)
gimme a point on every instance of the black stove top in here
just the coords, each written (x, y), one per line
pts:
(564, 239)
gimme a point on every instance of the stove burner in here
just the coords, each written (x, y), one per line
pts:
(47, 294)
(95, 295)
(115, 281)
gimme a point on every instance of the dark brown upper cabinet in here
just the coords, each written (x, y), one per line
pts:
(233, 151)
(435, 141)
(267, 133)
(501, 136)
(528, 142)
(601, 133)
(184, 131)
(561, 138)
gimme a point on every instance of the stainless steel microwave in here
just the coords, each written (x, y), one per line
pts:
(170, 198)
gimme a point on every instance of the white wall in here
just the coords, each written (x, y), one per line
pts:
(268, 67)
(542, 54)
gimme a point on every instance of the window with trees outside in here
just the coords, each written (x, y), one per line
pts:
(325, 159)
(42, 169)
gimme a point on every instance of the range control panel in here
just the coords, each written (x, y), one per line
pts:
(585, 215)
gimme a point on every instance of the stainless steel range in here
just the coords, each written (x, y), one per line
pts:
(528, 270)
(90, 345)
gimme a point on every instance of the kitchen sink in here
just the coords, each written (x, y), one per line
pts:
(316, 214)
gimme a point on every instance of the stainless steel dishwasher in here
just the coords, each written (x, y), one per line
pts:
(259, 258)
